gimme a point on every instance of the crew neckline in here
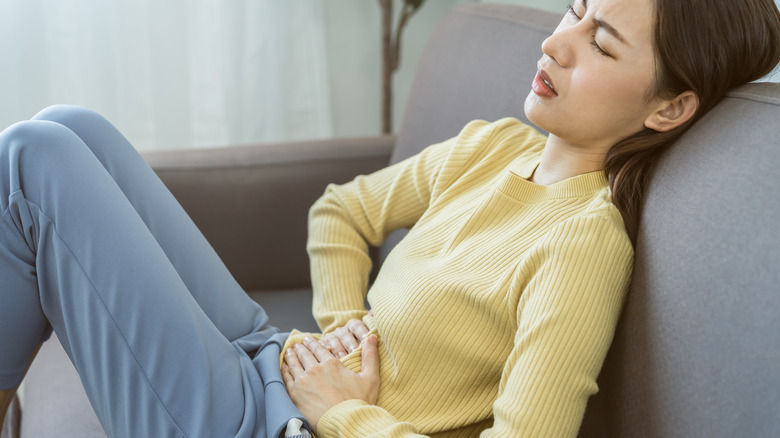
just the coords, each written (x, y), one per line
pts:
(515, 183)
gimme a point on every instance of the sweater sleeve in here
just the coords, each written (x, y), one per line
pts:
(356, 418)
(567, 315)
(350, 217)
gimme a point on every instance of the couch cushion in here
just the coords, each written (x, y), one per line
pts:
(55, 404)
(288, 309)
(698, 346)
(13, 417)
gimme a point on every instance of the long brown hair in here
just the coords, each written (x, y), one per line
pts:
(705, 46)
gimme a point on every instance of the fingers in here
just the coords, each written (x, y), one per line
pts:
(369, 372)
(321, 354)
(345, 340)
(286, 376)
(294, 366)
(358, 328)
(370, 356)
(332, 343)
(306, 357)
(351, 334)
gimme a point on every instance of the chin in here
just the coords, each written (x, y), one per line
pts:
(534, 112)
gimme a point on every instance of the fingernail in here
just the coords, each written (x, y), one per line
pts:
(307, 340)
(341, 354)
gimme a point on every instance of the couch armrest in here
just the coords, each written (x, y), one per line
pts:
(251, 202)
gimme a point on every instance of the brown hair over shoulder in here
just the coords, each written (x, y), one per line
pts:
(705, 46)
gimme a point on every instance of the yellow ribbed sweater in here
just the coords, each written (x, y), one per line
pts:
(495, 313)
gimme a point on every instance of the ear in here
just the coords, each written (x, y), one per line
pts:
(672, 113)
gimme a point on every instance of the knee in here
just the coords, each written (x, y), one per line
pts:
(36, 142)
(97, 133)
(70, 115)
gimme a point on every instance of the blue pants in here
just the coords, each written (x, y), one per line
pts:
(94, 246)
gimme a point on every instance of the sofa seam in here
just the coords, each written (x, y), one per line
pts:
(240, 166)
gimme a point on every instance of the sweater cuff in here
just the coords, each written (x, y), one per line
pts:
(356, 418)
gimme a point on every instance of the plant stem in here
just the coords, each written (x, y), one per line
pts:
(387, 66)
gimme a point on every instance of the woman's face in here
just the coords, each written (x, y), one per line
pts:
(597, 67)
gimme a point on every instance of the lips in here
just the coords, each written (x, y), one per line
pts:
(542, 84)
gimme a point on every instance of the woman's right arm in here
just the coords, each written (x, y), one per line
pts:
(350, 217)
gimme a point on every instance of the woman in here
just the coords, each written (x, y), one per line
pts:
(618, 82)
(521, 238)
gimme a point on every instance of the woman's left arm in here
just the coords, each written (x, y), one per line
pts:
(566, 321)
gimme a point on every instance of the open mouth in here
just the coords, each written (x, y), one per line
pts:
(542, 84)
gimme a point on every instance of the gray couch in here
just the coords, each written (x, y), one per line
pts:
(697, 351)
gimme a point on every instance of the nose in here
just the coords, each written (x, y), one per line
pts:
(558, 47)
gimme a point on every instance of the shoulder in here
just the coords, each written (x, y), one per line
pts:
(483, 149)
(506, 125)
(601, 206)
(504, 140)
(501, 131)
(597, 231)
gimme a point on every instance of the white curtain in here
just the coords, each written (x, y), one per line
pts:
(171, 73)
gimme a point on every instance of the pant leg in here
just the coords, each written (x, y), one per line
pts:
(77, 254)
(215, 290)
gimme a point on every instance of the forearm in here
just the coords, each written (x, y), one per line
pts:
(340, 263)
(350, 218)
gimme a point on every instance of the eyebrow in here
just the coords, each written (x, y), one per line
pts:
(612, 31)
(608, 27)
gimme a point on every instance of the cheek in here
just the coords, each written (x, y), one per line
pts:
(623, 95)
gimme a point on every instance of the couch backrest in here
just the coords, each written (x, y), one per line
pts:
(697, 351)
(478, 64)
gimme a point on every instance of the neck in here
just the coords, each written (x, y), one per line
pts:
(562, 160)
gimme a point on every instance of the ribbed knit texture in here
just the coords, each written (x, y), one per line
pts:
(495, 313)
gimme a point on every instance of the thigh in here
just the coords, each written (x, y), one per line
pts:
(151, 361)
(197, 264)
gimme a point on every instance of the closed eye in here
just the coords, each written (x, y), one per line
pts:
(593, 43)
(603, 52)
(574, 13)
